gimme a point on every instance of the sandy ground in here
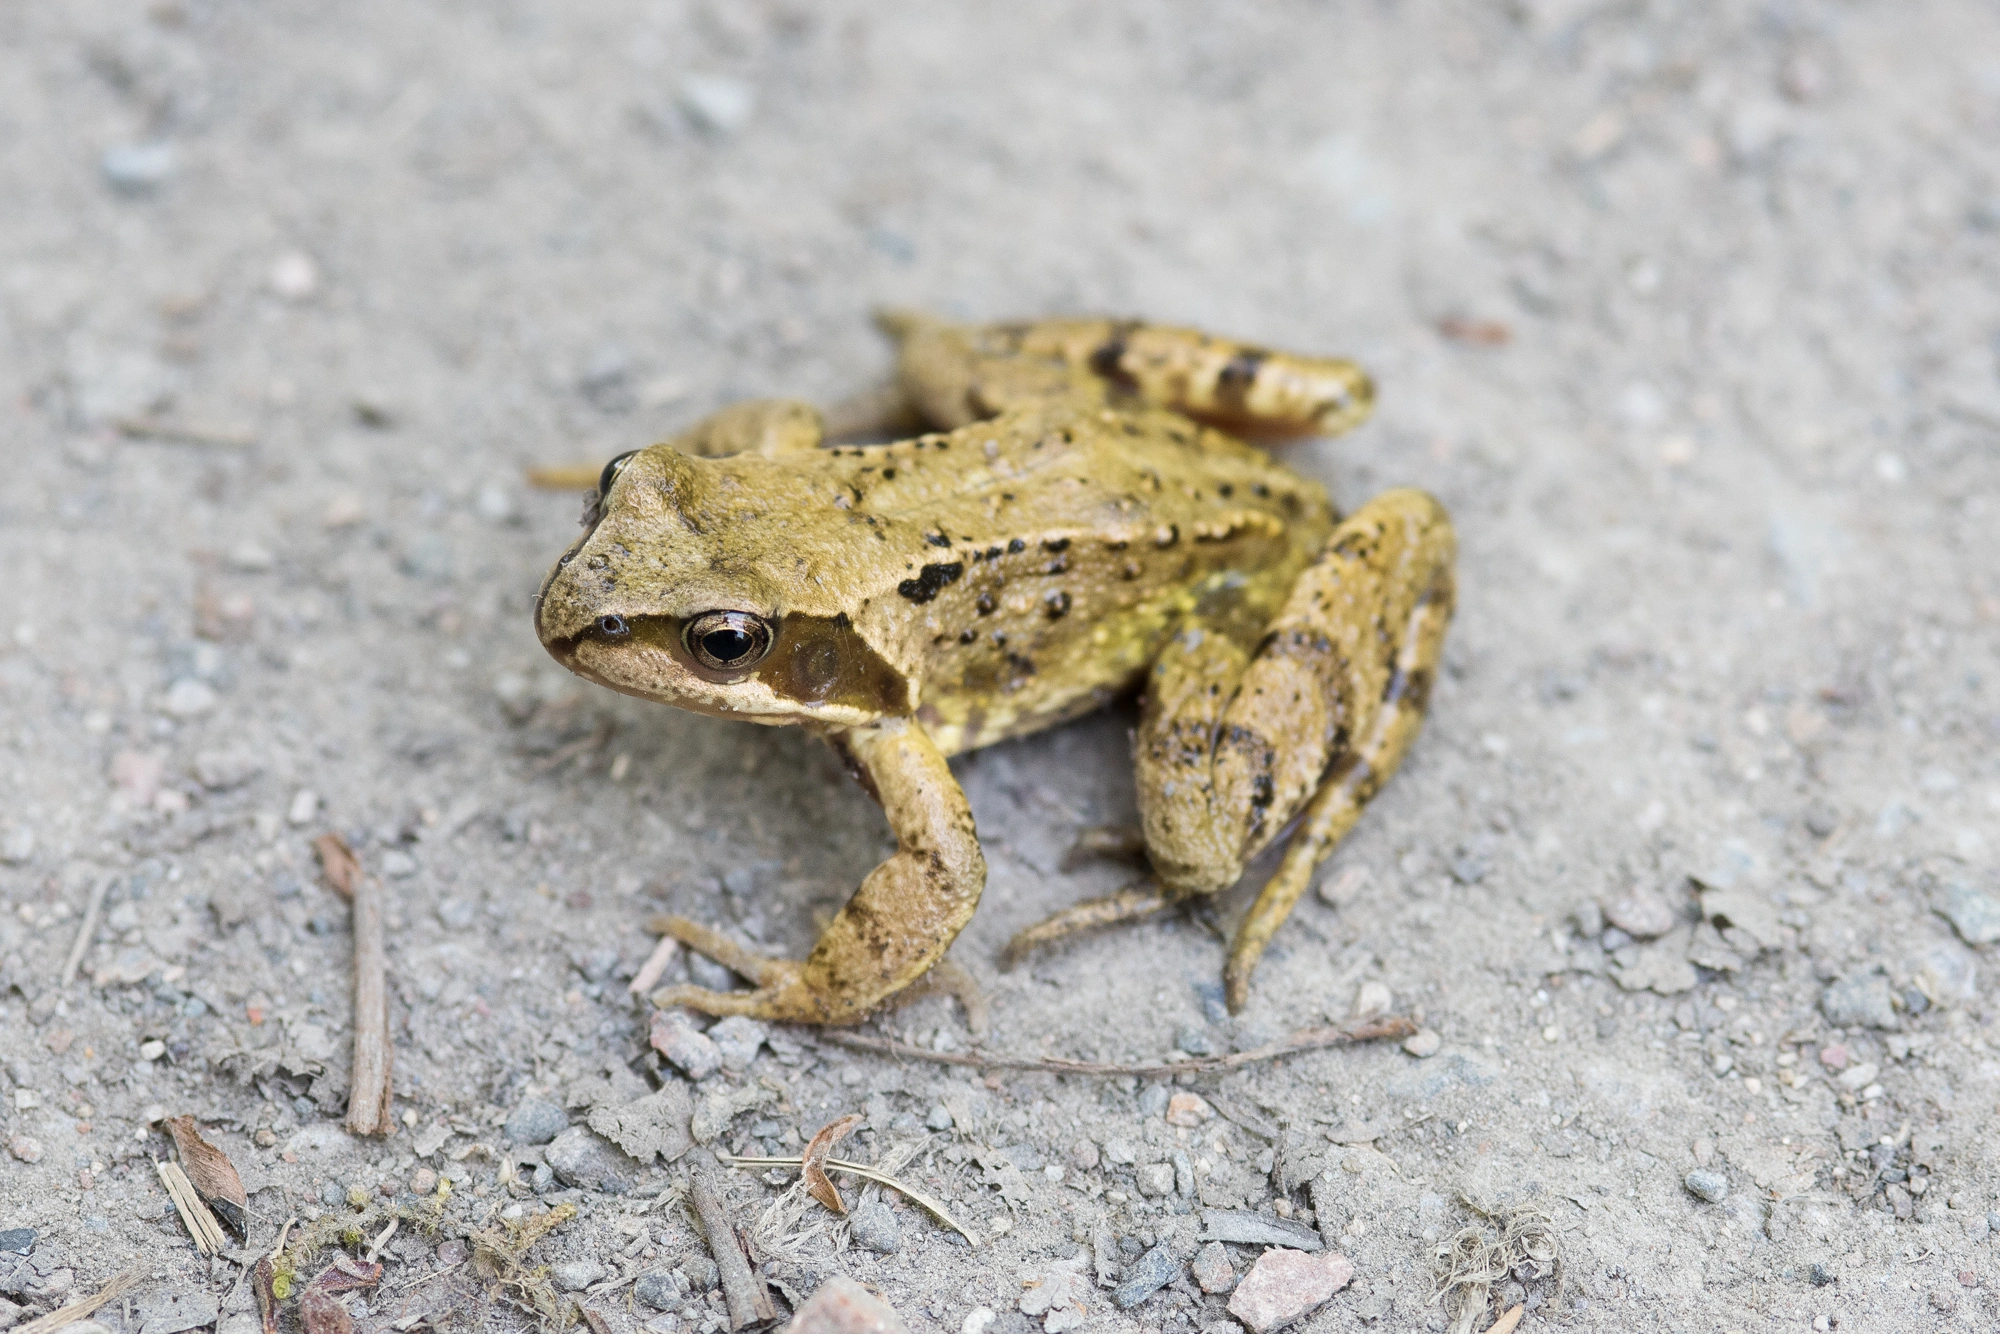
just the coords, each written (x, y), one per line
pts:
(1686, 312)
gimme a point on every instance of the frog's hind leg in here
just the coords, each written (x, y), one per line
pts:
(1314, 722)
(958, 374)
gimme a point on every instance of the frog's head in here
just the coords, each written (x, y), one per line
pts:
(693, 585)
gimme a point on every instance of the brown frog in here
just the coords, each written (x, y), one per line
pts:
(1082, 517)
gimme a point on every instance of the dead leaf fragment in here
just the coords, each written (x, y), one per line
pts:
(319, 1305)
(337, 863)
(813, 1171)
(212, 1174)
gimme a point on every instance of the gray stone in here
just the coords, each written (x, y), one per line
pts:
(737, 1039)
(137, 168)
(658, 1291)
(1156, 1179)
(1212, 1269)
(19, 1240)
(939, 1118)
(1148, 1274)
(587, 1161)
(1710, 1186)
(1642, 913)
(172, 1312)
(535, 1121)
(1194, 1040)
(576, 1275)
(1860, 1001)
(1947, 974)
(675, 1037)
(717, 103)
(1247, 1227)
(1975, 916)
(873, 1228)
(1423, 1044)
(702, 1275)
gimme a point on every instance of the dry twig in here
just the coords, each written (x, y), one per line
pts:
(749, 1303)
(368, 1098)
(153, 428)
(866, 1173)
(84, 1306)
(655, 967)
(1306, 1039)
(85, 931)
(201, 1224)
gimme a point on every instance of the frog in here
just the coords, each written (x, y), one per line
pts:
(1064, 512)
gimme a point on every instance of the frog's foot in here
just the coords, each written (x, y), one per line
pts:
(780, 992)
(1106, 842)
(1134, 903)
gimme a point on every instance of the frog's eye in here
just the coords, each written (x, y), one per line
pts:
(613, 627)
(728, 641)
(610, 473)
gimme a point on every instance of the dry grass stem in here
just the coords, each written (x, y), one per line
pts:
(1478, 1258)
(499, 1254)
(85, 930)
(179, 433)
(83, 1306)
(1506, 1323)
(1307, 1039)
(655, 967)
(866, 1173)
(200, 1222)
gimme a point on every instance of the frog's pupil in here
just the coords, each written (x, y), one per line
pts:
(727, 645)
(610, 473)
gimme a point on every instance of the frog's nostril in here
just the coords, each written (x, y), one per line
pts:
(613, 627)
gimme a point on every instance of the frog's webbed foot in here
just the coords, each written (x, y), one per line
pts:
(779, 991)
(1106, 842)
(1134, 903)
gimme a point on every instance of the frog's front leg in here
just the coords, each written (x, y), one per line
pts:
(897, 925)
(1232, 745)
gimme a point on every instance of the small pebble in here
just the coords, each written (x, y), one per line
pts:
(1083, 1155)
(1284, 1285)
(576, 1275)
(305, 805)
(873, 1228)
(1710, 1186)
(842, 1306)
(1372, 1001)
(26, 1148)
(1212, 1269)
(1974, 915)
(138, 168)
(702, 1275)
(18, 847)
(1187, 1109)
(1858, 1001)
(736, 1040)
(939, 1118)
(1151, 1272)
(717, 103)
(453, 1252)
(152, 1050)
(535, 1121)
(1156, 1179)
(658, 1291)
(390, 1188)
(18, 1241)
(675, 1037)
(423, 1181)
(1642, 913)
(294, 276)
(189, 698)
(1422, 1043)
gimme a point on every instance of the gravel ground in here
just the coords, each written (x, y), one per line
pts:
(1684, 311)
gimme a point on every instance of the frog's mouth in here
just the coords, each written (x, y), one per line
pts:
(817, 666)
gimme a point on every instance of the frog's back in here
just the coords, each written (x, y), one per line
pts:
(1057, 547)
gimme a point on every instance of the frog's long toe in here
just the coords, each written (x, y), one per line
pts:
(1134, 903)
(760, 969)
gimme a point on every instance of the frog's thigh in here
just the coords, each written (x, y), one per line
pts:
(1232, 746)
(772, 427)
(901, 920)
